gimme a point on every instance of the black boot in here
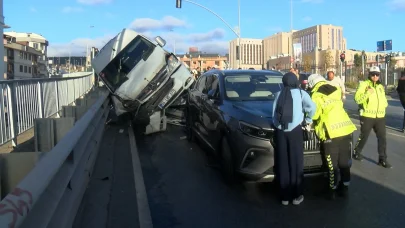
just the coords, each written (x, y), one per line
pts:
(357, 156)
(384, 164)
(343, 190)
(331, 194)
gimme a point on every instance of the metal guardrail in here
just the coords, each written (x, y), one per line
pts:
(22, 101)
(50, 195)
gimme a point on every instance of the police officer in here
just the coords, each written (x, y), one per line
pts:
(370, 96)
(334, 129)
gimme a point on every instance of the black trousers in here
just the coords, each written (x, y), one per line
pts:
(338, 159)
(290, 162)
(378, 125)
(402, 99)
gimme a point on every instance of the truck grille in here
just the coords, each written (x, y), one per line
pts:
(159, 78)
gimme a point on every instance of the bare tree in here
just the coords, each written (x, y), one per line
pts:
(328, 59)
(307, 63)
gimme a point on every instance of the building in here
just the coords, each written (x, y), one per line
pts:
(21, 61)
(320, 37)
(277, 45)
(204, 60)
(251, 54)
(36, 41)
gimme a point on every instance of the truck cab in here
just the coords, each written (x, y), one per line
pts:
(142, 77)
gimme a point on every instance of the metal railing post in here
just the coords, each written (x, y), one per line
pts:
(57, 99)
(40, 101)
(12, 107)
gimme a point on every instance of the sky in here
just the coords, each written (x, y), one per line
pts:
(69, 25)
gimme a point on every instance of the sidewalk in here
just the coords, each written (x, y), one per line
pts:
(110, 199)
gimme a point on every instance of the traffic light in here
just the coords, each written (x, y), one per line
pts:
(387, 58)
(178, 4)
(342, 57)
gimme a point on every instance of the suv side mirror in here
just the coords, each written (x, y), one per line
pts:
(161, 42)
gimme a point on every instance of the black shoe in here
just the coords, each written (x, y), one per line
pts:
(331, 194)
(384, 164)
(343, 190)
(358, 156)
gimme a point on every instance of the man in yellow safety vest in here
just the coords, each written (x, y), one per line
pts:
(370, 96)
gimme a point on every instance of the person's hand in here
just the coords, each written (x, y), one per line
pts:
(344, 97)
(307, 127)
(371, 90)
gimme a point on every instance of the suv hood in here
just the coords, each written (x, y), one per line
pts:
(262, 109)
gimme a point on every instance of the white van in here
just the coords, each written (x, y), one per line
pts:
(143, 78)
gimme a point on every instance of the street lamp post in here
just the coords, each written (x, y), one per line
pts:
(226, 23)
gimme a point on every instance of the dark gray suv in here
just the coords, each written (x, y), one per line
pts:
(230, 111)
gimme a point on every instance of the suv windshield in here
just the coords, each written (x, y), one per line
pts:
(252, 87)
(115, 73)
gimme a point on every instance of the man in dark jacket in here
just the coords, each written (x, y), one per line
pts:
(401, 93)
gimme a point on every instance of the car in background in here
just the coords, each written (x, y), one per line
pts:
(230, 111)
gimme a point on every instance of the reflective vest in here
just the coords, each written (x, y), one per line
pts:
(330, 119)
(371, 105)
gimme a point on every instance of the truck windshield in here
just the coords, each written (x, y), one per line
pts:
(115, 73)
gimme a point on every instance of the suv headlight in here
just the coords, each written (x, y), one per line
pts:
(172, 63)
(255, 131)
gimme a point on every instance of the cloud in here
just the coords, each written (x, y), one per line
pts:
(167, 23)
(398, 5)
(312, 1)
(69, 9)
(34, 10)
(307, 19)
(209, 42)
(77, 47)
(94, 2)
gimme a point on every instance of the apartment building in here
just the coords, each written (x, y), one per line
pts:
(315, 39)
(20, 61)
(37, 42)
(320, 37)
(277, 45)
(251, 53)
(203, 60)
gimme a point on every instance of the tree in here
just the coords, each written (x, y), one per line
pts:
(392, 63)
(357, 60)
(328, 59)
(307, 63)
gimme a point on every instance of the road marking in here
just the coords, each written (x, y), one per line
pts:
(145, 219)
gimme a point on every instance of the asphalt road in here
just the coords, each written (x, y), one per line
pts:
(183, 191)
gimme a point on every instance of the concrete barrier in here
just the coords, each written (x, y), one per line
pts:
(52, 189)
(48, 132)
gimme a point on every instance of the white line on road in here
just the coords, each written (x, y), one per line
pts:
(145, 219)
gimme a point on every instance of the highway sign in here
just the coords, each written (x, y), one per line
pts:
(380, 45)
(388, 45)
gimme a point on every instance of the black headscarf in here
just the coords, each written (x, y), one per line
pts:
(284, 108)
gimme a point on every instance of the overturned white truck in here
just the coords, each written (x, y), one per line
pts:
(143, 78)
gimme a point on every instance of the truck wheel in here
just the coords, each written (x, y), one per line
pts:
(227, 162)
